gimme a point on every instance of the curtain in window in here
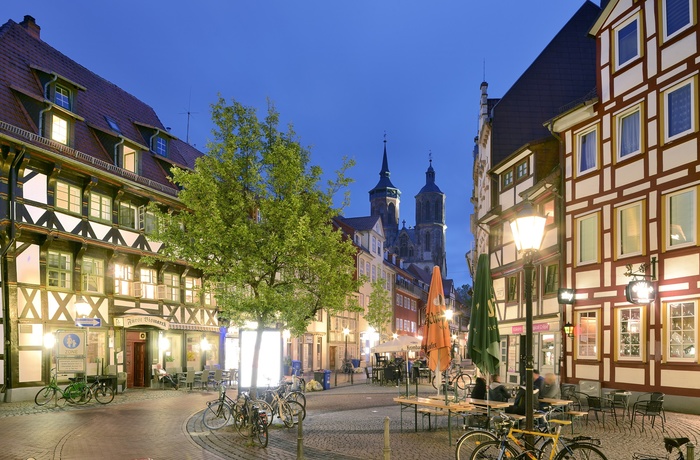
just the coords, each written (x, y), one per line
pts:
(588, 239)
(627, 42)
(588, 151)
(630, 134)
(677, 15)
(681, 217)
(679, 110)
(631, 230)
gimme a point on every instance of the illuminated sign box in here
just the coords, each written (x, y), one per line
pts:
(640, 292)
(269, 362)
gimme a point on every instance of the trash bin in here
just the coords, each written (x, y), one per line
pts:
(296, 367)
(326, 380)
(355, 363)
(318, 376)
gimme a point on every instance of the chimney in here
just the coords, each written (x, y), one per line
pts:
(30, 24)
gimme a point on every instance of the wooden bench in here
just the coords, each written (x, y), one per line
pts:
(424, 411)
(575, 414)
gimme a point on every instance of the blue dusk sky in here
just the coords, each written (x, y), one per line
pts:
(344, 73)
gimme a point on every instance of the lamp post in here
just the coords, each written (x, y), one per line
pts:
(346, 333)
(528, 232)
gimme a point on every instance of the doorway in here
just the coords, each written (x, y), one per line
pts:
(136, 346)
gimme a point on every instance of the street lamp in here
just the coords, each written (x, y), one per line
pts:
(528, 232)
(346, 333)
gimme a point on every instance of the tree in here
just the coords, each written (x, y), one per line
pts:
(379, 307)
(259, 227)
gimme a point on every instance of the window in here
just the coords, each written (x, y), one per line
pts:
(192, 288)
(149, 279)
(496, 237)
(68, 197)
(551, 284)
(128, 159)
(587, 143)
(681, 218)
(160, 146)
(62, 97)
(59, 266)
(399, 300)
(93, 275)
(548, 212)
(679, 113)
(587, 337)
(682, 324)
(59, 129)
(427, 241)
(127, 215)
(172, 287)
(522, 170)
(629, 139)
(630, 229)
(507, 178)
(676, 16)
(147, 220)
(629, 329)
(627, 42)
(587, 239)
(374, 273)
(374, 244)
(100, 207)
(512, 282)
(123, 277)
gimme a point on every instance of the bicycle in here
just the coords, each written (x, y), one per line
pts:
(286, 409)
(101, 391)
(51, 392)
(218, 412)
(292, 391)
(554, 448)
(249, 420)
(453, 375)
(347, 367)
(670, 444)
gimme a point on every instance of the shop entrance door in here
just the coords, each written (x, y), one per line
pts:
(139, 364)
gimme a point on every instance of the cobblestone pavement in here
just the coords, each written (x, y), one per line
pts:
(345, 422)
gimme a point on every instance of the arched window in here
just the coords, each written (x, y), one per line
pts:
(426, 240)
(438, 211)
(426, 212)
(418, 214)
(392, 214)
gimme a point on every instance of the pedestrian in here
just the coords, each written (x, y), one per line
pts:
(479, 390)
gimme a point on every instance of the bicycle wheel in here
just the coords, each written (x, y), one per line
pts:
(285, 413)
(240, 421)
(580, 452)
(103, 393)
(463, 380)
(44, 395)
(216, 415)
(261, 428)
(470, 440)
(298, 411)
(263, 406)
(76, 394)
(297, 396)
(493, 450)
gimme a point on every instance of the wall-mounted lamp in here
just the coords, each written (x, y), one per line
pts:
(566, 296)
(569, 330)
(82, 307)
(640, 292)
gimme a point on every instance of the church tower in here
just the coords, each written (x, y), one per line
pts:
(430, 225)
(384, 201)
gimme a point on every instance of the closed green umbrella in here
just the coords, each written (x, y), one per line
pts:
(484, 341)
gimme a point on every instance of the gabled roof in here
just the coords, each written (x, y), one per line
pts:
(360, 224)
(564, 71)
(24, 57)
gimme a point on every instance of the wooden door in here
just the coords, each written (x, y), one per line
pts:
(139, 364)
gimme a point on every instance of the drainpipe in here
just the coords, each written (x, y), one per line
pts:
(150, 139)
(12, 182)
(41, 114)
(116, 150)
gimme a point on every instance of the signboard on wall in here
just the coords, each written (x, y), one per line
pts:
(70, 351)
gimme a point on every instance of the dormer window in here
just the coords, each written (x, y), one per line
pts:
(62, 97)
(127, 159)
(59, 129)
(160, 146)
(112, 124)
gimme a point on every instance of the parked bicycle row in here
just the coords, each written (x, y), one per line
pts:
(79, 391)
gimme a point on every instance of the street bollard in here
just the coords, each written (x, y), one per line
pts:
(300, 441)
(387, 445)
(352, 378)
(691, 451)
(336, 378)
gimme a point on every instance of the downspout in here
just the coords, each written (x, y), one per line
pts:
(41, 114)
(12, 183)
(150, 139)
(116, 151)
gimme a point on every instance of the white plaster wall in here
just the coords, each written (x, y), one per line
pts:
(499, 288)
(28, 266)
(631, 376)
(68, 221)
(628, 79)
(35, 188)
(588, 279)
(22, 301)
(680, 379)
(587, 187)
(631, 172)
(678, 51)
(682, 154)
(129, 236)
(550, 306)
(30, 365)
(587, 372)
(681, 267)
(100, 230)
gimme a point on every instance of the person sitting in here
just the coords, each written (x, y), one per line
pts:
(518, 406)
(538, 380)
(164, 377)
(550, 389)
(498, 391)
(479, 390)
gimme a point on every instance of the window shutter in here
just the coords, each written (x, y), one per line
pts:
(141, 217)
(137, 289)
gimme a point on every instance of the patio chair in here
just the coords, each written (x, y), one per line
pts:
(188, 380)
(650, 405)
(215, 377)
(620, 399)
(578, 408)
(602, 406)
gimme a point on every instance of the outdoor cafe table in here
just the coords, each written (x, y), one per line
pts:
(407, 403)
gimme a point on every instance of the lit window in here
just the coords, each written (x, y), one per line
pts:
(676, 14)
(548, 212)
(59, 129)
(629, 329)
(59, 266)
(93, 275)
(68, 197)
(629, 133)
(129, 159)
(630, 229)
(100, 207)
(587, 232)
(172, 287)
(587, 335)
(149, 279)
(678, 110)
(192, 288)
(587, 144)
(627, 42)
(681, 218)
(62, 97)
(123, 278)
(682, 324)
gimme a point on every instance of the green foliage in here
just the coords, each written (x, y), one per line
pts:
(379, 307)
(258, 225)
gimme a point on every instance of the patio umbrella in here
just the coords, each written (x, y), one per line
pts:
(403, 343)
(484, 341)
(436, 338)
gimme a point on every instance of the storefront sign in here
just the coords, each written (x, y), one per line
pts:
(537, 327)
(131, 321)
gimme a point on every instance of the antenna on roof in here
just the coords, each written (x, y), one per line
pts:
(484, 79)
(189, 114)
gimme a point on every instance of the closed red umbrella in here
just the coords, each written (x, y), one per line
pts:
(436, 337)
